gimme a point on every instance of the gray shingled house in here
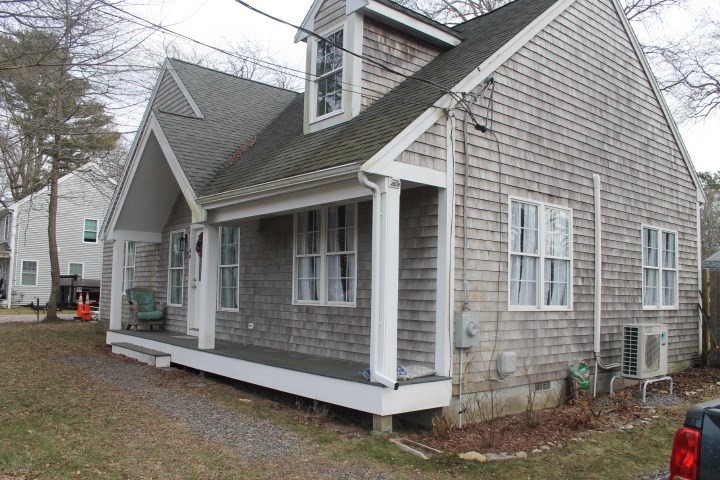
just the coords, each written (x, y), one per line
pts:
(481, 205)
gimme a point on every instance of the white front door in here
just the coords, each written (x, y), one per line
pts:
(195, 280)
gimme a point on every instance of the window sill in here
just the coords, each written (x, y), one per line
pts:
(652, 308)
(540, 309)
(318, 304)
(231, 310)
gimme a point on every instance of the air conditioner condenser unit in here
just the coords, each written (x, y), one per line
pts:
(644, 352)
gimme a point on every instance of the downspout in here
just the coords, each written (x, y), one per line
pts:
(376, 345)
(598, 284)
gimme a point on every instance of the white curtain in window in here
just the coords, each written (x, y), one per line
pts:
(669, 254)
(341, 278)
(650, 295)
(229, 287)
(308, 269)
(524, 228)
(668, 287)
(523, 280)
(557, 233)
(556, 282)
(650, 248)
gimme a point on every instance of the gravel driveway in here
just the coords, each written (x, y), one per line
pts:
(249, 437)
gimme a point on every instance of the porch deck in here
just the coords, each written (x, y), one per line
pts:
(333, 381)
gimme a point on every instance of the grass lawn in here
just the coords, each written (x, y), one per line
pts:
(16, 311)
(57, 422)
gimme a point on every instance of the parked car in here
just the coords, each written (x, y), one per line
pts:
(696, 448)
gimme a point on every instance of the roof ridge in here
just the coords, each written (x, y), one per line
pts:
(236, 77)
(485, 15)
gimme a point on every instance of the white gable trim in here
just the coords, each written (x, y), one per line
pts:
(196, 110)
(309, 21)
(382, 159)
(430, 32)
(701, 197)
(153, 126)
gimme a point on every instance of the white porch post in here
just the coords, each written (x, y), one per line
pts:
(443, 301)
(116, 284)
(385, 273)
(208, 295)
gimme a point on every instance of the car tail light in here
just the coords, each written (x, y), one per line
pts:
(685, 455)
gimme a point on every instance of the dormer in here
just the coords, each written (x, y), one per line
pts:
(340, 85)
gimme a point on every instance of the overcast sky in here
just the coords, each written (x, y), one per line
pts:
(217, 21)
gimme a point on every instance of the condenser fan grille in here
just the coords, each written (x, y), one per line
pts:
(630, 350)
(652, 352)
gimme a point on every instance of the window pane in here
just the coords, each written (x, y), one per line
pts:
(307, 273)
(90, 231)
(229, 246)
(669, 253)
(129, 254)
(228, 287)
(650, 293)
(29, 273)
(556, 282)
(128, 278)
(75, 269)
(668, 288)
(523, 280)
(341, 278)
(176, 286)
(650, 248)
(524, 228)
(557, 232)
(341, 228)
(176, 255)
(308, 232)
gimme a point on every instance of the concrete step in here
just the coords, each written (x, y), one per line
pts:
(152, 357)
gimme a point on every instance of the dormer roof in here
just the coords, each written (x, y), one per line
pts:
(392, 14)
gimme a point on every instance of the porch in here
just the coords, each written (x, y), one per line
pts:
(328, 380)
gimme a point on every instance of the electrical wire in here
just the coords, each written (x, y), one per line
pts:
(457, 97)
(274, 67)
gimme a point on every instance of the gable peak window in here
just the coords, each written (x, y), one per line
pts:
(328, 72)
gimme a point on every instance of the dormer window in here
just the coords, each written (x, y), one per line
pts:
(329, 74)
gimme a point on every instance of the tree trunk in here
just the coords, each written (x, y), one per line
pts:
(52, 234)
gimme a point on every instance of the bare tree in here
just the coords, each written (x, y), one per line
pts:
(710, 217)
(60, 63)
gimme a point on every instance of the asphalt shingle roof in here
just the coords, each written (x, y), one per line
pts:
(236, 110)
(282, 150)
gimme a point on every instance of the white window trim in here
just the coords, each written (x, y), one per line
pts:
(313, 76)
(170, 269)
(660, 269)
(127, 267)
(220, 267)
(323, 279)
(97, 230)
(539, 304)
(76, 263)
(37, 273)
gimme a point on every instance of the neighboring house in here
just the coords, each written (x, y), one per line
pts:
(711, 263)
(5, 236)
(520, 170)
(83, 199)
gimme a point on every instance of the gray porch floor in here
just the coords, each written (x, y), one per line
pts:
(323, 366)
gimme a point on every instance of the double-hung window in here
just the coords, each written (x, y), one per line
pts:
(659, 260)
(325, 256)
(540, 255)
(29, 273)
(129, 265)
(229, 268)
(90, 230)
(329, 74)
(177, 268)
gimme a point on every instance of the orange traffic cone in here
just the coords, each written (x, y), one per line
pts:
(80, 308)
(86, 312)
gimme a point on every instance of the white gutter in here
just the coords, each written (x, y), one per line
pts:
(376, 346)
(598, 284)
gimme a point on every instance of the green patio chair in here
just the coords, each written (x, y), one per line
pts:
(144, 310)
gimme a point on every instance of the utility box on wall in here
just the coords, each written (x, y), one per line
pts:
(467, 329)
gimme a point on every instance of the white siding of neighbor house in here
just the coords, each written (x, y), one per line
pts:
(572, 103)
(81, 196)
